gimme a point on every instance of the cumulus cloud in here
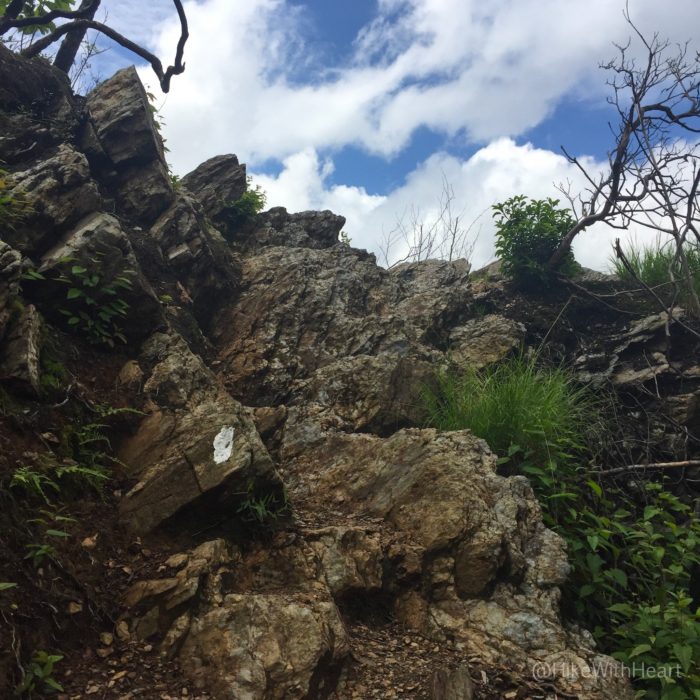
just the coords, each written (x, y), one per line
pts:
(479, 71)
(481, 68)
(494, 173)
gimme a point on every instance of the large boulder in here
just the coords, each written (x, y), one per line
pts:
(195, 442)
(123, 122)
(303, 308)
(216, 183)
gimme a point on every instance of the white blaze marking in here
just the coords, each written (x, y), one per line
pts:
(223, 444)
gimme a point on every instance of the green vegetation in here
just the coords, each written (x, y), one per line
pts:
(12, 208)
(632, 557)
(653, 265)
(240, 212)
(92, 307)
(528, 232)
(38, 675)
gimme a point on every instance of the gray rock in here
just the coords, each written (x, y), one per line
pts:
(55, 193)
(10, 272)
(217, 182)
(307, 229)
(483, 341)
(195, 441)
(20, 354)
(124, 125)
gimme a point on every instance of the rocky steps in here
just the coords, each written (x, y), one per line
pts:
(284, 371)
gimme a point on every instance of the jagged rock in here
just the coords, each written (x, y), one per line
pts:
(56, 193)
(198, 255)
(267, 647)
(10, 272)
(281, 644)
(441, 489)
(379, 393)
(216, 183)
(196, 441)
(452, 684)
(20, 355)
(99, 245)
(483, 341)
(301, 309)
(351, 558)
(124, 125)
(37, 110)
(307, 229)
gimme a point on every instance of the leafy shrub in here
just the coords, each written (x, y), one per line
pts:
(91, 306)
(631, 561)
(653, 265)
(527, 235)
(242, 210)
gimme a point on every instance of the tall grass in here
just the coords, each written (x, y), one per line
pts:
(517, 407)
(653, 264)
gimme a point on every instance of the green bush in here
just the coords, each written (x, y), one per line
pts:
(631, 557)
(528, 232)
(653, 264)
(242, 210)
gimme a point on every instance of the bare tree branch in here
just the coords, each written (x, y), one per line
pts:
(80, 23)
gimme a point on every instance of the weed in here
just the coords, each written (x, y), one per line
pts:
(33, 483)
(38, 674)
(241, 211)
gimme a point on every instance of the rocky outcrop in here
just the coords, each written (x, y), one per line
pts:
(217, 183)
(20, 353)
(195, 442)
(10, 271)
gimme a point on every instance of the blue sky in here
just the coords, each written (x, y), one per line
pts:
(365, 106)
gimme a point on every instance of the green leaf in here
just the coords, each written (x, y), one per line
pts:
(684, 653)
(78, 270)
(639, 649)
(57, 533)
(74, 293)
(5, 586)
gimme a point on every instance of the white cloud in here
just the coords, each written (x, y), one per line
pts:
(494, 173)
(488, 68)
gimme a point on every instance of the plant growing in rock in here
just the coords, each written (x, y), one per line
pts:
(528, 232)
(13, 208)
(658, 267)
(240, 212)
(632, 564)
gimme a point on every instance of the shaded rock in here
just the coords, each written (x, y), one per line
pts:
(56, 194)
(124, 125)
(307, 229)
(301, 309)
(100, 247)
(198, 255)
(351, 558)
(216, 183)
(20, 354)
(452, 684)
(483, 341)
(196, 440)
(10, 273)
(37, 110)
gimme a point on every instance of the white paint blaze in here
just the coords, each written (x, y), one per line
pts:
(223, 444)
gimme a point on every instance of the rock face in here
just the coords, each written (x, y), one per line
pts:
(280, 377)
(196, 441)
